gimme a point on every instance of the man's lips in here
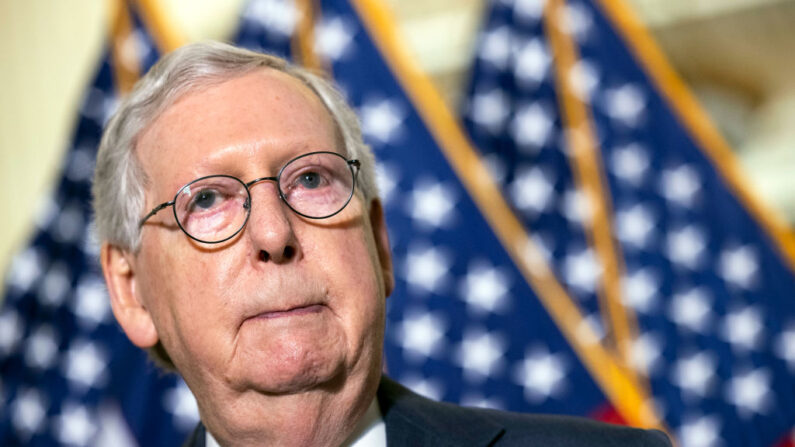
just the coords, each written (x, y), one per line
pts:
(291, 312)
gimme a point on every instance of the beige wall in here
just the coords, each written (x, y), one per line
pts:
(47, 52)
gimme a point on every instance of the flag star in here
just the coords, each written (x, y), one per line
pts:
(576, 207)
(80, 166)
(421, 334)
(430, 388)
(743, 328)
(495, 47)
(485, 288)
(382, 120)
(387, 177)
(478, 400)
(490, 109)
(426, 268)
(630, 163)
(41, 347)
(640, 290)
(542, 374)
(181, 403)
(646, 353)
(739, 265)
(85, 364)
(680, 185)
(691, 310)
(750, 392)
(695, 374)
(700, 432)
(56, 284)
(529, 10)
(75, 425)
(26, 267)
(634, 225)
(575, 20)
(46, 211)
(280, 16)
(480, 354)
(532, 127)
(532, 62)
(99, 105)
(90, 244)
(784, 346)
(92, 305)
(496, 167)
(10, 331)
(591, 330)
(581, 270)
(70, 224)
(28, 412)
(531, 190)
(583, 78)
(334, 37)
(432, 204)
(625, 104)
(685, 246)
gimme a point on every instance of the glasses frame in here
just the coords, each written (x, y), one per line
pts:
(353, 165)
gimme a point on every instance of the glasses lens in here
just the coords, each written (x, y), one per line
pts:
(317, 185)
(212, 209)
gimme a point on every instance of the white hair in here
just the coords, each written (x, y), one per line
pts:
(119, 179)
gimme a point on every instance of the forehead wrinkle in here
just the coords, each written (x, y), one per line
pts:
(287, 94)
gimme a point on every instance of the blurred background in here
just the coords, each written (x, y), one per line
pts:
(736, 55)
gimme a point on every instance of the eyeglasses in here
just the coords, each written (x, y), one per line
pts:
(215, 208)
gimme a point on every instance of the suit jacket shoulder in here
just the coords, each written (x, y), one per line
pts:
(412, 420)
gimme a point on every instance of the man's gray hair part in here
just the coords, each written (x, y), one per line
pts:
(119, 179)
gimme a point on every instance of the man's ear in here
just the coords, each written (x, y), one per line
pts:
(378, 223)
(127, 307)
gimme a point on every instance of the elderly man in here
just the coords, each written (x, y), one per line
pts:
(244, 245)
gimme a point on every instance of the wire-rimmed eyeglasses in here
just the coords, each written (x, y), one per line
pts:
(213, 209)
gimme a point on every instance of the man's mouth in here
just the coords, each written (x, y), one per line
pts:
(292, 312)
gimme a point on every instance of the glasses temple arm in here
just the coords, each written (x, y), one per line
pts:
(155, 211)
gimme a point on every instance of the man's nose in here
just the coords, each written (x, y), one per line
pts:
(270, 227)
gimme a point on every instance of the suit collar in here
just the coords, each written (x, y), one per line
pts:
(414, 420)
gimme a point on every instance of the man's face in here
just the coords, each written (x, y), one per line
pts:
(289, 304)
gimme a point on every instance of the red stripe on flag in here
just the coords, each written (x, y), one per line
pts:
(608, 413)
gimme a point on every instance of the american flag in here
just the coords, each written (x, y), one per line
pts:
(501, 296)
(577, 115)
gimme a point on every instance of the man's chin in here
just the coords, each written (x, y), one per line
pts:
(280, 373)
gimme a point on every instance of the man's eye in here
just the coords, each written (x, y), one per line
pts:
(309, 180)
(205, 199)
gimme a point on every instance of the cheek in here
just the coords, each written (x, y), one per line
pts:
(355, 278)
(187, 295)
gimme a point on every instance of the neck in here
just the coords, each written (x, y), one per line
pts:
(324, 416)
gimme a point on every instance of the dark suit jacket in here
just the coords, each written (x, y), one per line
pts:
(412, 420)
